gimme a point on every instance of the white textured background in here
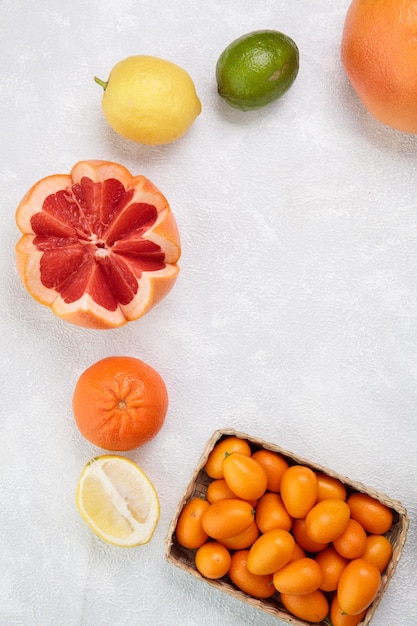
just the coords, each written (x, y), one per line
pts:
(294, 318)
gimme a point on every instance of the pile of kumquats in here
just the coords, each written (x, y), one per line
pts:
(272, 527)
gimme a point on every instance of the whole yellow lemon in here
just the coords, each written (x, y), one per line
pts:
(149, 100)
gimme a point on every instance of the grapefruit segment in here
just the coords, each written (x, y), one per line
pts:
(37, 194)
(100, 246)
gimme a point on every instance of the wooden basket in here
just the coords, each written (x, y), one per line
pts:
(184, 559)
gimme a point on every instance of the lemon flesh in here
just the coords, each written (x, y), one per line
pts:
(256, 69)
(118, 501)
(149, 100)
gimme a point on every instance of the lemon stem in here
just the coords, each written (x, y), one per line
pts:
(100, 82)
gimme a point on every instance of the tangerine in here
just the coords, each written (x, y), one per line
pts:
(99, 246)
(189, 530)
(228, 445)
(379, 56)
(120, 403)
(212, 560)
(252, 584)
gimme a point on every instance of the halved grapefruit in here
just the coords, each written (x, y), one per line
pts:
(99, 246)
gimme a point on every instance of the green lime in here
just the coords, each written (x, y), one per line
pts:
(256, 69)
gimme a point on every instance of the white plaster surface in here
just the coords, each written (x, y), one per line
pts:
(294, 318)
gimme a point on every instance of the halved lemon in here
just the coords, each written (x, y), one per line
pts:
(118, 501)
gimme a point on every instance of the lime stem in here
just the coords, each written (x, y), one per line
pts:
(100, 82)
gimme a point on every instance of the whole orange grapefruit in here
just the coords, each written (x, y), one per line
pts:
(379, 55)
(120, 403)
